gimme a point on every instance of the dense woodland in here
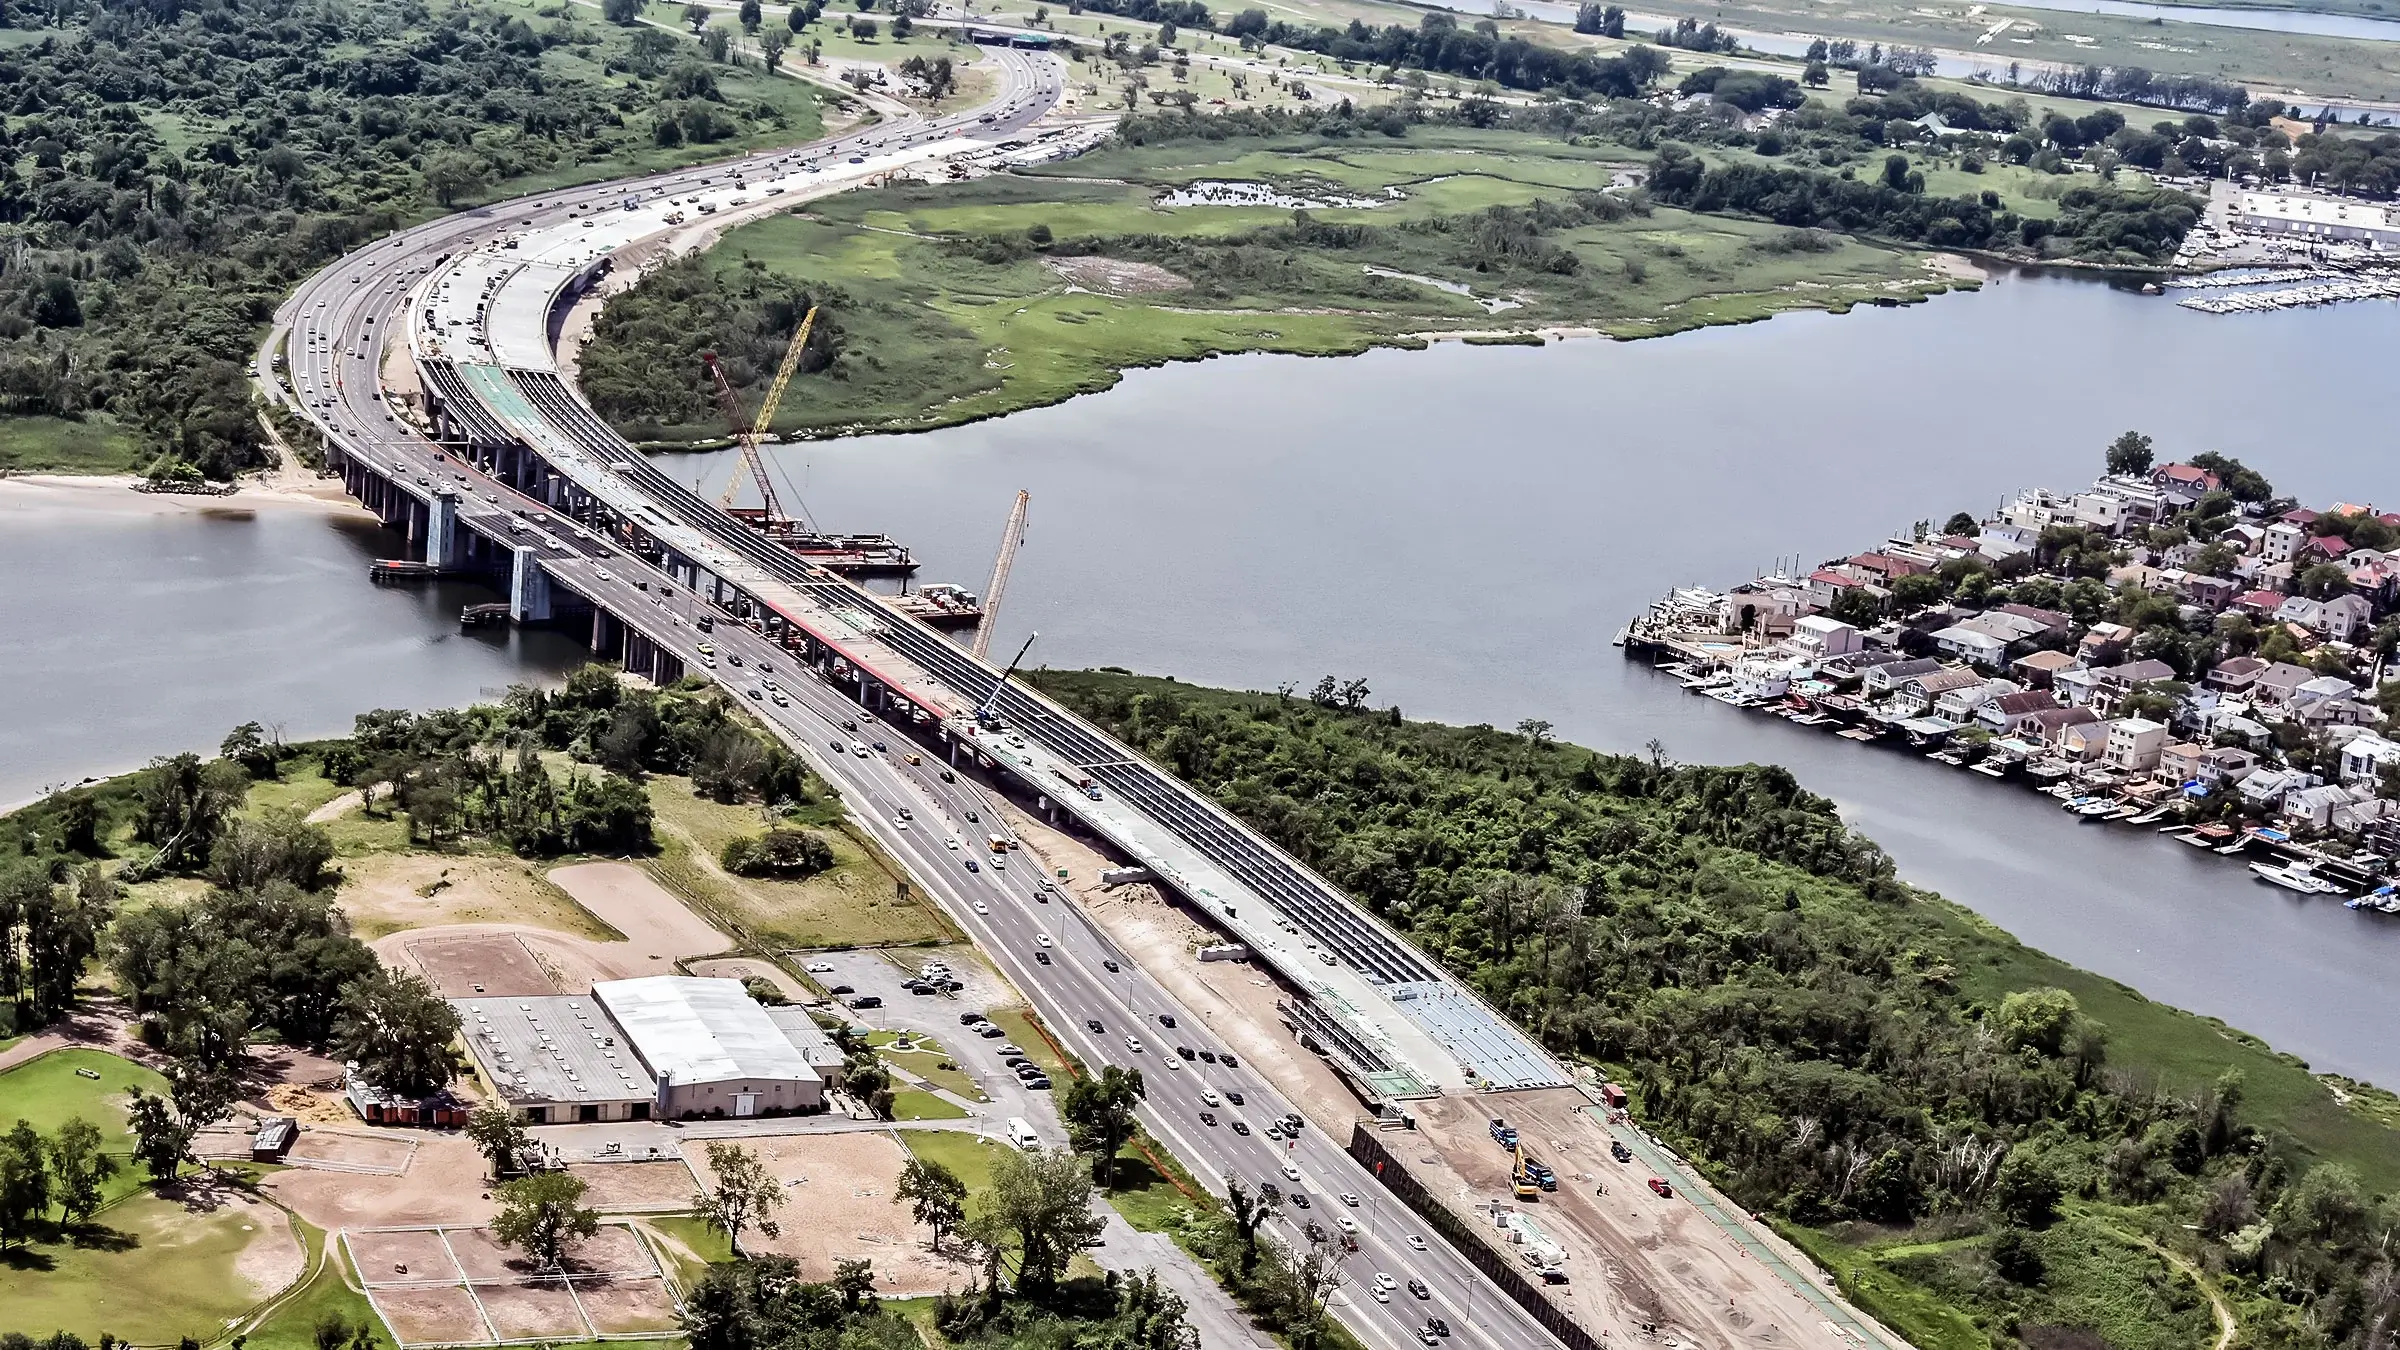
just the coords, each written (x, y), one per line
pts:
(1779, 1002)
(174, 168)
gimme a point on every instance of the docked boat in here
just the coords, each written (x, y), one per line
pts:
(2096, 808)
(2296, 877)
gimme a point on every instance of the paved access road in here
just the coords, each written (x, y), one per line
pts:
(334, 331)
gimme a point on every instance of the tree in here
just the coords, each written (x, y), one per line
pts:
(716, 44)
(854, 1281)
(2324, 581)
(160, 1137)
(745, 1195)
(183, 805)
(499, 1136)
(696, 15)
(2129, 454)
(250, 746)
(453, 174)
(24, 1183)
(79, 1167)
(902, 26)
(751, 16)
(771, 46)
(626, 12)
(1098, 1110)
(278, 843)
(1961, 523)
(935, 1196)
(1250, 1211)
(1043, 1199)
(2027, 1191)
(796, 18)
(2040, 1019)
(2016, 1258)
(543, 1215)
(399, 1031)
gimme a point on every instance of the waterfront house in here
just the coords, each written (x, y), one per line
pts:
(2037, 669)
(2079, 741)
(2264, 790)
(1917, 694)
(1963, 703)
(2039, 726)
(2253, 733)
(2115, 683)
(2001, 715)
(2235, 674)
(2036, 509)
(1884, 678)
(2184, 482)
(2133, 745)
(2312, 807)
(1882, 568)
(2076, 685)
(2274, 685)
(2358, 816)
(2229, 764)
(2181, 763)
(1819, 638)
(2365, 758)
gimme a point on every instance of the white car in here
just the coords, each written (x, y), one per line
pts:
(820, 967)
(1350, 1199)
(1384, 1280)
(982, 908)
(1134, 1043)
(1346, 1224)
(1041, 939)
(1209, 1096)
(950, 843)
(1290, 1173)
(1416, 1243)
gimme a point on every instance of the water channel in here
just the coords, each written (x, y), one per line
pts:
(1463, 527)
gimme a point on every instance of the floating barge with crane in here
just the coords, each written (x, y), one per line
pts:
(856, 556)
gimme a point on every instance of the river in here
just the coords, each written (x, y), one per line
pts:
(1463, 527)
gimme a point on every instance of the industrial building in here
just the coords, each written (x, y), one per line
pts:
(661, 1047)
(2319, 220)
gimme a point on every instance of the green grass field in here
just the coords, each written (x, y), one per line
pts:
(148, 1271)
(95, 444)
(50, 1090)
(946, 315)
(966, 1155)
(918, 1104)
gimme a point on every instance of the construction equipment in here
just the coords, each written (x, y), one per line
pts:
(747, 441)
(1010, 537)
(983, 711)
(1526, 1187)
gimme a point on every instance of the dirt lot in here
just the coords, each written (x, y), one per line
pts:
(1116, 276)
(658, 930)
(1633, 1258)
(838, 1193)
(444, 1183)
(419, 1280)
(503, 958)
(624, 1307)
(629, 1187)
(387, 892)
(746, 968)
(442, 1314)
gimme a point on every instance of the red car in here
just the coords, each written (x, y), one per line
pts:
(1664, 1190)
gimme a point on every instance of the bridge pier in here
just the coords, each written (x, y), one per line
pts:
(528, 587)
(608, 635)
(443, 547)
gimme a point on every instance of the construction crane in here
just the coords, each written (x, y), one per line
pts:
(984, 715)
(747, 441)
(1009, 539)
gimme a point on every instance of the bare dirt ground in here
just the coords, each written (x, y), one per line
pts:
(623, 1307)
(462, 960)
(440, 1315)
(387, 892)
(444, 1184)
(274, 1258)
(1117, 276)
(748, 968)
(621, 1188)
(838, 1194)
(658, 930)
(1633, 1258)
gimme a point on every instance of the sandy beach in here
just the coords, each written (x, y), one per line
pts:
(67, 495)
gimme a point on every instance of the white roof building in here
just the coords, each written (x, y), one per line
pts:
(2321, 218)
(712, 1048)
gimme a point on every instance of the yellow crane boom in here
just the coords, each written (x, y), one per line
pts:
(1010, 537)
(748, 441)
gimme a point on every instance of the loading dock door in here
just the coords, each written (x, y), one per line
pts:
(745, 1103)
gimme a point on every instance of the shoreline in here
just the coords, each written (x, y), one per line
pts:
(59, 496)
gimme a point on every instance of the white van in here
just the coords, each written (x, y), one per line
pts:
(1021, 1134)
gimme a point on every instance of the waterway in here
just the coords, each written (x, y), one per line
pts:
(1463, 527)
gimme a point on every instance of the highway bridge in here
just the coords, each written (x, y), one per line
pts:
(428, 360)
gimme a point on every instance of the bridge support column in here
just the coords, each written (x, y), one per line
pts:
(528, 587)
(443, 546)
(608, 636)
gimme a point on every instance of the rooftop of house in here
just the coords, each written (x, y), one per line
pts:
(2046, 661)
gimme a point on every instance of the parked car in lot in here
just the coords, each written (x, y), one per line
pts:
(1661, 1188)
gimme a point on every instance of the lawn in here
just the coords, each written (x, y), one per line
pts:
(148, 1271)
(94, 444)
(918, 1104)
(858, 901)
(291, 1324)
(50, 1090)
(688, 1245)
(968, 1156)
(301, 788)
(927, 1061)
(1148, 1198)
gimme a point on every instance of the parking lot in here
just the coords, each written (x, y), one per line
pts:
(885, 975)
